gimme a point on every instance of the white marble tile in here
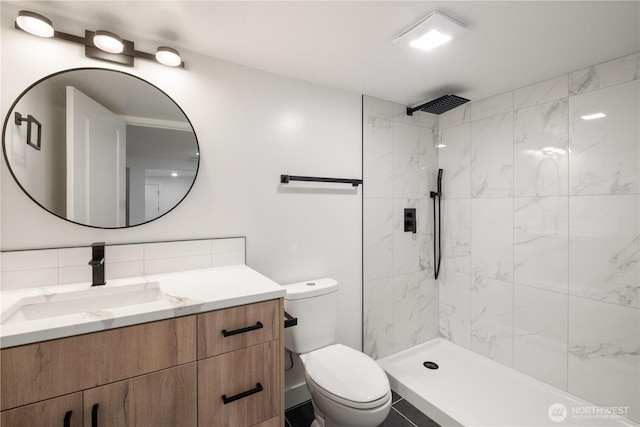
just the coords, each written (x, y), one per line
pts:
(454, 159)
(407, 301)
(75, 274)
(406, 245)
(541, 150)
(455, 307)
(492, 106)
(455, 117)
(22, 279)
(540, 93)
(377, 107)
(425, 234)
(119, 270)
(604, 248)
(378, 317)
(219, 246)
(428, 162)
(492, 238)
(608, 73)
(428, 307)
(124, 253)
(176, 249)
(378, 157)
(400, 115)
(541, 242)
(378, 238)
(492, 319)
(168, 265)
(406, 161)
(492, 156)
(605, 152)
(540, 335)
(70, 257)
(28, 260)
(456, 235)
(227, 258)
(604, 354)
(427, 120)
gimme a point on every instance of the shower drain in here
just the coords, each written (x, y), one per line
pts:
(430, 365)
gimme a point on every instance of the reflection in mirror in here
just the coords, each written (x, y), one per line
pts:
(115, 150)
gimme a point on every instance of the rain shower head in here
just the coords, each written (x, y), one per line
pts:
(439, 105)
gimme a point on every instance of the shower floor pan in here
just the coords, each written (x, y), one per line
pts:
(471, 390)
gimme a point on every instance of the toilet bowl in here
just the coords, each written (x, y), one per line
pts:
(348, 388)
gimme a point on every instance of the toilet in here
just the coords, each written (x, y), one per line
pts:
(348, 388)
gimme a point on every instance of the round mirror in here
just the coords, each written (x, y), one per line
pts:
(100, 148)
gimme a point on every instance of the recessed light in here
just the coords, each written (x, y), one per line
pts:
(431, 31)
(174, 173)
(441, 145)
(593, 116)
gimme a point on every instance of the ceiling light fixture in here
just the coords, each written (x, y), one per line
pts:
(430, 32)
(101, 44)
(34, 23)
(593, 116)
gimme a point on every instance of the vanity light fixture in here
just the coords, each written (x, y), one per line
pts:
(430, 32)
(101, 44)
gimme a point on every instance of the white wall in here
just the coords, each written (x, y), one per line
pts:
(251, 126)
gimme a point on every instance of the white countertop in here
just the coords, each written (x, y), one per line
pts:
(127, 302)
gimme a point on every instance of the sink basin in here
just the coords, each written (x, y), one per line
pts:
(93, 299)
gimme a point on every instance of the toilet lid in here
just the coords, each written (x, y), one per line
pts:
(347, 373)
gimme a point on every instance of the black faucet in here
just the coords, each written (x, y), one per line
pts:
(97, 264)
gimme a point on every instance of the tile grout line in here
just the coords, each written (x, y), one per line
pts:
(403, 416)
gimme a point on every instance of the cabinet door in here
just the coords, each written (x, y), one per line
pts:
(164, 398)
(65, 411)
(249, 380)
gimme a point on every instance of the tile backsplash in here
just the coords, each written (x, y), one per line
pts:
(49, 267)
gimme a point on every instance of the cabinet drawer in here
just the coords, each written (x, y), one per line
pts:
(40, 371)
(249, 380)
(165, 398)
(65, 411)
(273, 422)
(238, 327)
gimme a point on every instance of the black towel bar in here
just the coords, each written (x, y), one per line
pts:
(284, 179)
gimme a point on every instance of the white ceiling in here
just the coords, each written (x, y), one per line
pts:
(348, 44)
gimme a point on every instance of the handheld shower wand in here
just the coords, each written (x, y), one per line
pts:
(437, 254)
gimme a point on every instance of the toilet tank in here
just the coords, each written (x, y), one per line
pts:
(315, 304)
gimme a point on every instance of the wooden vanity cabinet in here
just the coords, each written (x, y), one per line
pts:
(64, 411)
(171, 373)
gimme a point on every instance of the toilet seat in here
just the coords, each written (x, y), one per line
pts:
(347, 376)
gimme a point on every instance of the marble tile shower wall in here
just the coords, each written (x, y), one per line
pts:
(400, 297)
(541, 231)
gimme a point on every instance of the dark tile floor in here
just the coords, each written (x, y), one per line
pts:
(402, 414)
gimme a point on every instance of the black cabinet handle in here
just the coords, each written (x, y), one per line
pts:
(238, 396)
(94, 416)
(67, 419)
(226, 333)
